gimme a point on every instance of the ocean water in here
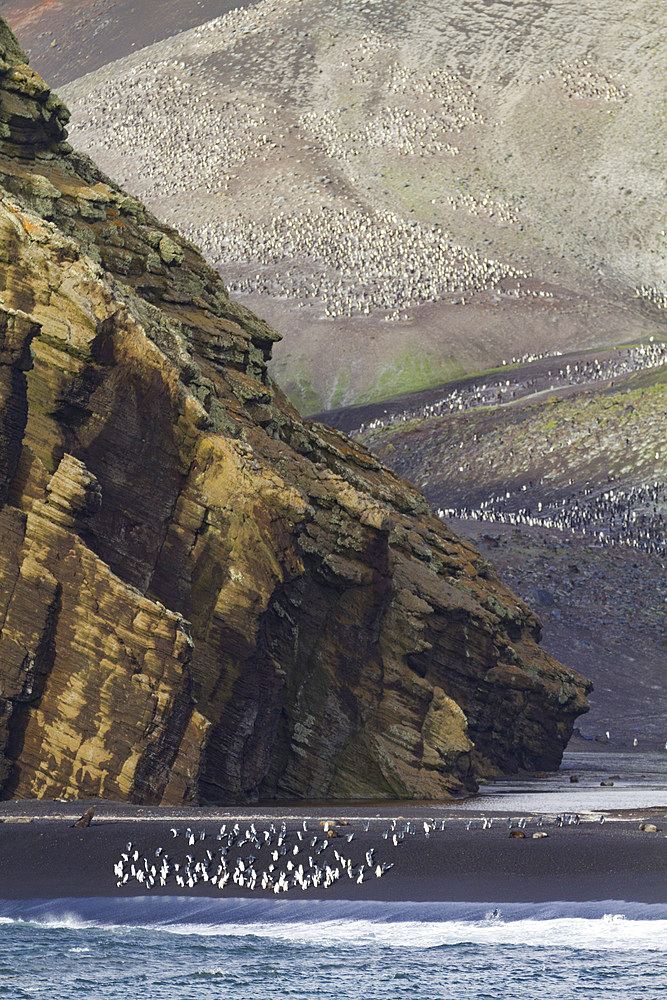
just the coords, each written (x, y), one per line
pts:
(176, 948)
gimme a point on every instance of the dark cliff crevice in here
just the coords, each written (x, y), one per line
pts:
(16, 335)
(35, 670)
(153, 770)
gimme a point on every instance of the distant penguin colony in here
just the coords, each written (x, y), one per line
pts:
(362, 262)
(610, 514)
(611, 517)
(511, 386)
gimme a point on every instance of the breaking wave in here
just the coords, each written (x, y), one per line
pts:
(603, 925)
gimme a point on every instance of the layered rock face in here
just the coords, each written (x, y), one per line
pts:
(203, 597)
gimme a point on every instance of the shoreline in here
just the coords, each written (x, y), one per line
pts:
(473, 859)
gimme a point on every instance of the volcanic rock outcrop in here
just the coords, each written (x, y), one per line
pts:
(203, 597)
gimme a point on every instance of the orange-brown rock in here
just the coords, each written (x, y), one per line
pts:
(202, 596)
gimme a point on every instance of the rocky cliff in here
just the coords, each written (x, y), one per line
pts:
(202, 596)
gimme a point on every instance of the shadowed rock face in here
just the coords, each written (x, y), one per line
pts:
(202, 596)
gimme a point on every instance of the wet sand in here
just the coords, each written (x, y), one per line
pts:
(43, 856)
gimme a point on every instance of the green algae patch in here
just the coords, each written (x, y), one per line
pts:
(410, 372)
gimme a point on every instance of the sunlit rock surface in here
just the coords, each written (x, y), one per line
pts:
(204, 597)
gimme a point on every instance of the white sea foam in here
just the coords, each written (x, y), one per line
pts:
(612, 932)
(603, 926)
(68, 921)
(598, 934)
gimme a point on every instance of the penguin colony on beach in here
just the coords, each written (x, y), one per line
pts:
(273, 859)
(278, 860)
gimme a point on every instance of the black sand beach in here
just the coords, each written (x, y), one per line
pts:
(43, 856)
